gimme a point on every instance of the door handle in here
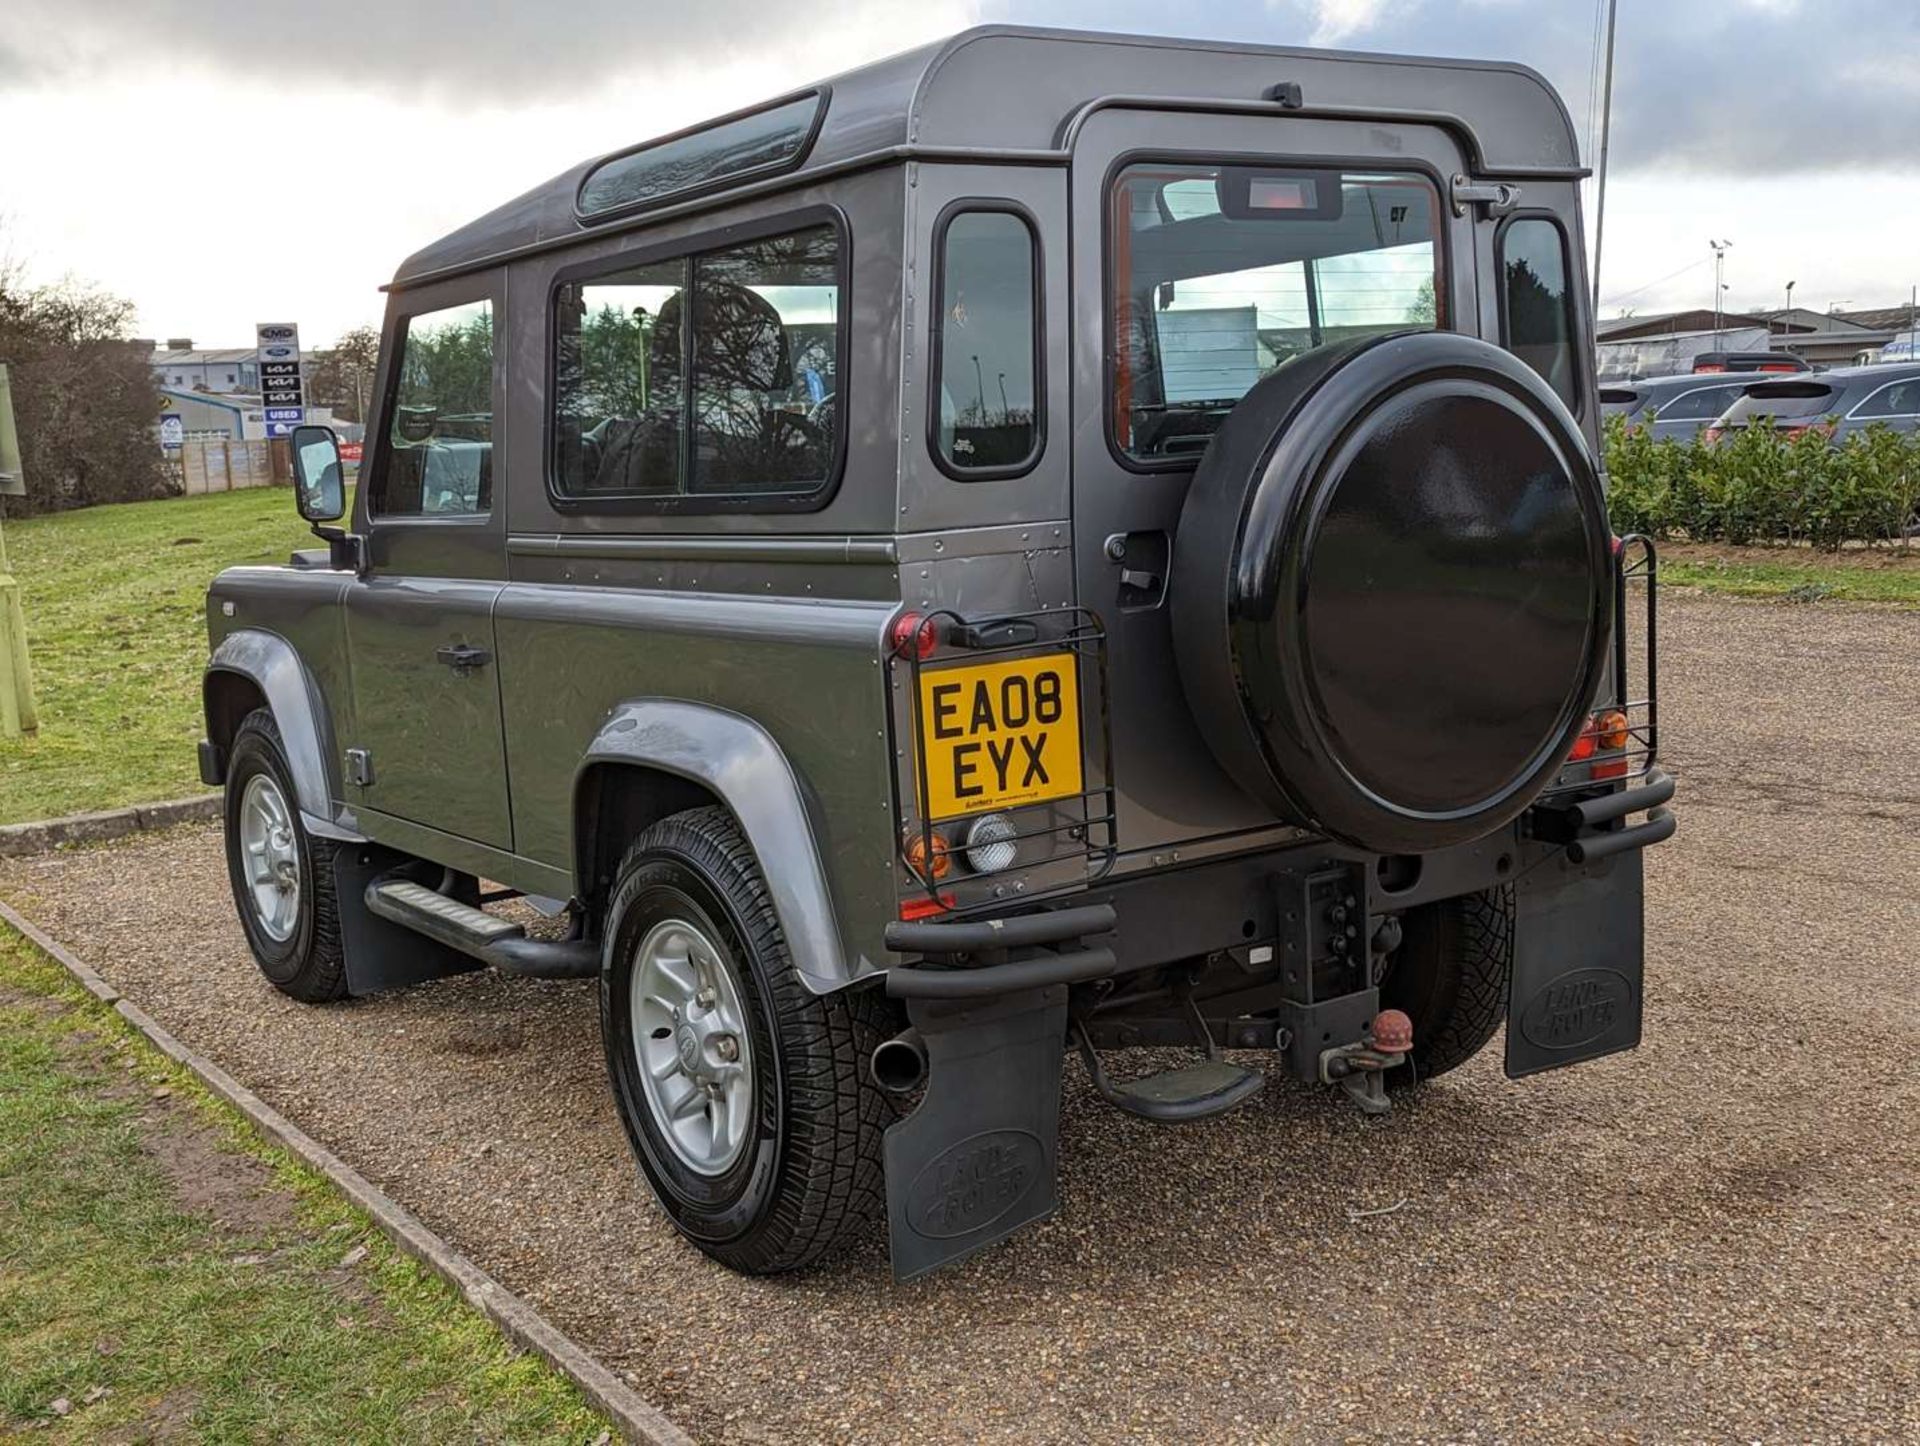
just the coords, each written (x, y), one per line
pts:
(462, 656)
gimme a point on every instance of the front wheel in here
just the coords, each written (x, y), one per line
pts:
(1450, 974)
(282, 876)
(744, 1095)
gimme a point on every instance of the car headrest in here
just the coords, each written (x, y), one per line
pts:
(742, 341)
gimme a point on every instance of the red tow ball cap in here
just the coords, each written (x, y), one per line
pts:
(1392, 1032)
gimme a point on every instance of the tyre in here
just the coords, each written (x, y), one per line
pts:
(282, 876)
(1450, 975)
(744, 1095)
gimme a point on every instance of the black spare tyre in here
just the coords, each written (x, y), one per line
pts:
(1391, 590)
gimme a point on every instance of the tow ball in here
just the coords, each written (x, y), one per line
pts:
(1360, 1068)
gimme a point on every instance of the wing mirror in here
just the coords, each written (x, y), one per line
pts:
(319, 488)
(320, 492)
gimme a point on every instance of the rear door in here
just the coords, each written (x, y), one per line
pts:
(1208, 249)
(420, 624)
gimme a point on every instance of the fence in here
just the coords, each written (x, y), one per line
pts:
(223, 464)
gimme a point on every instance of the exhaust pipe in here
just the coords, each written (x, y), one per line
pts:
(899, 1065)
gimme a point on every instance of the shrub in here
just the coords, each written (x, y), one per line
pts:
(1758, 484)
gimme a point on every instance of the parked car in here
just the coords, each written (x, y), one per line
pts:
(1749, 361)
(1672, 407)
(967, 563)
(1840, 402)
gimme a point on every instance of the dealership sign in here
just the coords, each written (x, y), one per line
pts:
(278, 348)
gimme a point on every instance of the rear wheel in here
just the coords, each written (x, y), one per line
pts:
(744, 1094)
(1450, 975)
(282, 876)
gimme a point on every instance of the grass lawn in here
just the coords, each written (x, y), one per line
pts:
(166, 1275)
(1798, 574)
(115, 600)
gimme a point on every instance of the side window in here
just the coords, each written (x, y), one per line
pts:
(1701, 404)
(986, 365)
(710, 375)
(439, 456)
(1900, 399)
(1537, 303)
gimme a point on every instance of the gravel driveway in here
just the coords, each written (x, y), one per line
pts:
(1716, 1237)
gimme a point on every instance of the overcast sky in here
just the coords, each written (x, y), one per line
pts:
(223, 161)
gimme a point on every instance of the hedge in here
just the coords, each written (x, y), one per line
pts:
(1758, 485)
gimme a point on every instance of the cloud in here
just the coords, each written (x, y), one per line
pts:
(453, 53)
(1337, 20)
(1739, 88)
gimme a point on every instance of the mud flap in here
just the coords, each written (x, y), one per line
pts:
(977, 1159)
(1578, 963)
(381, 955)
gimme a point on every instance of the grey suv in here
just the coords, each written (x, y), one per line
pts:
(1046, 544)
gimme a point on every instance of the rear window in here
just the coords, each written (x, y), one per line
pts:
(1536, 304)
(1222, 273)
(1783, 401)
(1700, 404)
(1620, 401)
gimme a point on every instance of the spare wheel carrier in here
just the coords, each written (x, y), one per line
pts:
(1391, 590)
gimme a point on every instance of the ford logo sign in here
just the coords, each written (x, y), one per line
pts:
(278, 353)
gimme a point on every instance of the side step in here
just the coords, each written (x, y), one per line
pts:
(1175, 1096)
(481, 935)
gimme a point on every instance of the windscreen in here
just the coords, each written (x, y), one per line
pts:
(1222, 273)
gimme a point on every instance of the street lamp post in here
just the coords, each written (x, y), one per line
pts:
(1719, 283)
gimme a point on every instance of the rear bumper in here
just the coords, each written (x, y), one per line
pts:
(967, 958)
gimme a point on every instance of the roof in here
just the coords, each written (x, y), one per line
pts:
(204, 358)
(1885, 318)
(1672, 323)
(1016, 91)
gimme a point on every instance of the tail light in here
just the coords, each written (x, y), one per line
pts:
(914, 632)
(1605, 734)
(1614, 735)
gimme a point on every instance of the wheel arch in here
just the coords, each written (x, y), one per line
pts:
(655, 757)
(252, 668)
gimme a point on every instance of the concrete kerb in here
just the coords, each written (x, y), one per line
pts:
(521, 1323)
(20, 839)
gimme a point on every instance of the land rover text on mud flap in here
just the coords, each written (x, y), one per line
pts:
(1045, 544)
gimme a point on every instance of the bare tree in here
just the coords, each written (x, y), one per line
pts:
(341, 376)
(83, 395)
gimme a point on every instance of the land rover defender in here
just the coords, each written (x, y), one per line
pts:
(1047, 544)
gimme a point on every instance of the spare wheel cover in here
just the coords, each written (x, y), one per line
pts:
(1391, 590)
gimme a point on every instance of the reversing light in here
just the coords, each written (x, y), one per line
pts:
(990, 845)
(929, 865)
(915, 632)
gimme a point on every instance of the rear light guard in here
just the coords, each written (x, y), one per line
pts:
(1060, 844)
(1620, 739)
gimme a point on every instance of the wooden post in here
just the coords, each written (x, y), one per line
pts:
(18, 714)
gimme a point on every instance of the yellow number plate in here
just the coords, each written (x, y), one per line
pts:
(998, 735)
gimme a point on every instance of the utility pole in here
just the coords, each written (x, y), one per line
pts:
(17, 712)
(1719, 285)
(1606, 134)
(1787, 320)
